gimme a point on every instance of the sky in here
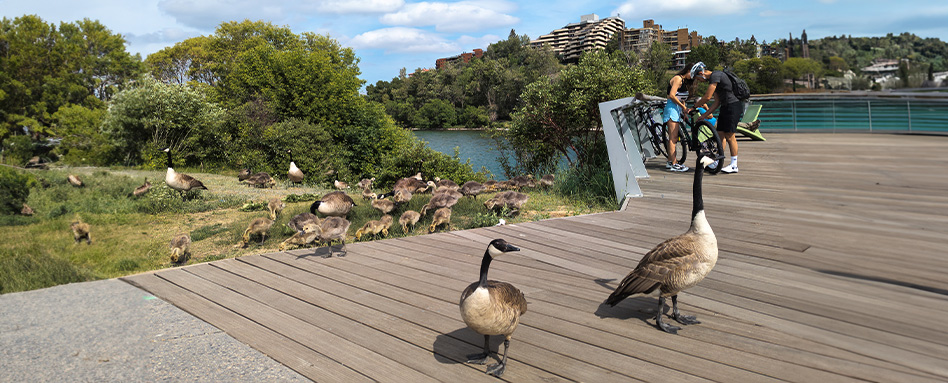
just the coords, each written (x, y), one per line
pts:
(388, 35)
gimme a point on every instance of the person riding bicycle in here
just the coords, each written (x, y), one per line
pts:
(679, 88)
(719, 86)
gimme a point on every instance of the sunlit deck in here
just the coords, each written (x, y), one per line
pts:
(832, 268)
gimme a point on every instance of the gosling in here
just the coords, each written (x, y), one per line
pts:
(409, 218)
(75, 181)
(275, 207)
(375, 227)
(259, 227)
(80, 231)
(180, 248)
(307, 235)
(442, 216)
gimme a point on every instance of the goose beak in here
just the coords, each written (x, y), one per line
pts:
(510, 247)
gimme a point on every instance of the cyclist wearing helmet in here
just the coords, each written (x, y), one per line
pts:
(679, 87)
(719, 86)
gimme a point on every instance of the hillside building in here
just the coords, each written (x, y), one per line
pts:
(463, 57)
(590, 33)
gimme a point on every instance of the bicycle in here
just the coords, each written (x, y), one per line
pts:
(699, 135)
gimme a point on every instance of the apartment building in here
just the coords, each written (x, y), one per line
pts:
(640, 39)
(588, 34)
(463, 57)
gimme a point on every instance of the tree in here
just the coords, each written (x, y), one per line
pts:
(706, 53)
(435, 114)
(656, 60)
(763, 75)
(797, 67)
(560, 116)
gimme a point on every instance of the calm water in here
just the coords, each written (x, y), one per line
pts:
(473, 145)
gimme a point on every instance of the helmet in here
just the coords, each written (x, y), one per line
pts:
(697, 68)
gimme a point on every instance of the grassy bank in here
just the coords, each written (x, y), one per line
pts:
(131, 234)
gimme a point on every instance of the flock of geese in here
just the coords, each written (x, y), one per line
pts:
(488, 307)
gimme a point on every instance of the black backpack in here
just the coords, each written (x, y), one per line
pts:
(738, 86)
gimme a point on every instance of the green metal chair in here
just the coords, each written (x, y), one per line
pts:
(750, 114)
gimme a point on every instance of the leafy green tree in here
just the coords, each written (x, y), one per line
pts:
(144, 120)
(82, 141)
(708, 53)
(187, 61)
(14, 190)
(560, 117)
(435, 114)
(763, 75)
(655, 61)
(797, 67)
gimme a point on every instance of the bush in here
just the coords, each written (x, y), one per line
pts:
(420, 158)
(14, 190)
(17, 150)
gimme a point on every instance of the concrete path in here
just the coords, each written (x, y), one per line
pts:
(110, 331)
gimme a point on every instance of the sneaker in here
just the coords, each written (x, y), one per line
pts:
(730, 169)
(679, 168)
(668, 165)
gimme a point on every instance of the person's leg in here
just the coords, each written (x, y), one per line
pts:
(731, 139)
(671, 144)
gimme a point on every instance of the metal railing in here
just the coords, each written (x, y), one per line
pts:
(855, 112)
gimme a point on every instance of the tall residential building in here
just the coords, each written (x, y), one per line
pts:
(640, 39)
(588, 34)
(463, 57)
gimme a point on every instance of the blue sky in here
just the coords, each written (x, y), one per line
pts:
(391, 34)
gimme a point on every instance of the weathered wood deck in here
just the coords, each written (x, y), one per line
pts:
(832, 268)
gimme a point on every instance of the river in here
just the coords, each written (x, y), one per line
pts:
(472, 144)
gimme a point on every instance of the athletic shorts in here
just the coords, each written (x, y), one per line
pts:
(672, 112)
(729, 116)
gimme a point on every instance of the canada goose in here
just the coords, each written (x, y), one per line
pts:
(259, 226)
(180, 181)
(472, 189)
(141, 190)
(413, 185)
(383, 205)
(375, 227)
(417, 176)
(80, 231)
(308, 234)
(180, 248)
(520, 182)
(336, 204)
(275, 206)
(442, 216)
(299, 222)
(451, 192)
(366, 183)
(676, 264)
(409, 218)
(295, 174)
(26, 210)
(546, 181)
(340, 185)
(260, 179)
(75, 181)
(332, 229)
(492, 307)
(511, 200)
(244, 174)
(445, 184)
(439, 201)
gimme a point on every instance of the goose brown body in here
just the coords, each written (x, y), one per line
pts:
(472, 189)
(294, 174)
(441, 200)
(275, 206)
(335, 204)
(81, 231)
(300, 221)
(408, 218)
(383, 205)
(510, 199)
(74, 180)
(180, 181)
(141, 190)
(376, 227)
(333, 229)
(259, 227)
(442, 216)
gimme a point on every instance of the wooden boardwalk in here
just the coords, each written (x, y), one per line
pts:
(832, 267)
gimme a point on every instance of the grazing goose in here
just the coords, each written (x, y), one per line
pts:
(335, 204)
(520, 182)
(445, 184)
(180, 248)
(676, 264)
(298, 222)
(368, 195)
(259, 226)
(472, 189)
(340, 185)
(80, 231)
(141, 190)
(409, 218)
(26, 210)
(180, 181)
(244, 174)
(401, 196)
(511, 200)
(491, 185)
(333, 229)
(308, 234)
(442, 216)
(295, 174)
(383, 205)
(366, 183)
(75, 181)
(412, 185)
(375, 227)
(546, 181)
(275, 206)
(492, 307)
(261, 179)
(440, 200)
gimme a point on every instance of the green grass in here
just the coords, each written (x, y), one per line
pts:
(131, 235)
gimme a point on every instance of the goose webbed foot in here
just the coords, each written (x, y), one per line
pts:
(683, 319)
(478, 358)
(668, 328)
(497, 369)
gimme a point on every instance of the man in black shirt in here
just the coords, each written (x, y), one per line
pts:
(719, 86)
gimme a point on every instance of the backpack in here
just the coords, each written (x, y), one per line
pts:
(738, 86)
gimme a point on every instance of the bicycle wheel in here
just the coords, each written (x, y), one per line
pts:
(655, 136)
(708, 142)
(680, 142)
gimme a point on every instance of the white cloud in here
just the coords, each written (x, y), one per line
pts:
(402, 40)
(463, 16)
(208, 14)
(684, 8)
(360, 6)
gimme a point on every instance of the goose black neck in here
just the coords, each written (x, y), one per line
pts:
(485, 265)
(169, 158)
(314, 206)
(698, 202)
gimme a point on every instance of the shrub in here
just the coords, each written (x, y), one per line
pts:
(17, 149)
(14, 190)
